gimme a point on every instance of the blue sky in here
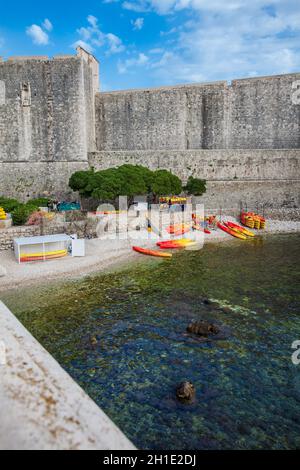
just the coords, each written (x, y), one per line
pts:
(148, 43)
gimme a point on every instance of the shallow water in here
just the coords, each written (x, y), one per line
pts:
(122, 336)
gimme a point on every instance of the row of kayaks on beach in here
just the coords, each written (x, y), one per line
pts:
(230, 228)
(166, 245)
(235, 230)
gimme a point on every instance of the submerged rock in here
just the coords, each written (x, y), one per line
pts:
(93, 341)
(185, 392)
(202, 328)
(211, 303)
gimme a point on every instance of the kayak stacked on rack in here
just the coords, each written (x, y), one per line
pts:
(252, 220)
(28, 257)
(2, 214)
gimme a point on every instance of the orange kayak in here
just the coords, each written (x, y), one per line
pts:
(146, 251)
(232, 232)
(239, 228)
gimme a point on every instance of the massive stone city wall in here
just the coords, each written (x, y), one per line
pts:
(243, 137)
(47, 122)
(256, 113)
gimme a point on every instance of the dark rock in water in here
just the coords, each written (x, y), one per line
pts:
(211, 303)
(202, 328)
(186, 392)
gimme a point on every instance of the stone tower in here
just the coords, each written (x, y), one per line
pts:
(47, 124)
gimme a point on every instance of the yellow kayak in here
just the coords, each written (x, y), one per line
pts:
(232, 232)
(47, 253)
(243, 230)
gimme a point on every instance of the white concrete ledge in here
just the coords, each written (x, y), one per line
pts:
(41, 407)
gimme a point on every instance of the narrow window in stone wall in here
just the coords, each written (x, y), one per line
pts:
(2, 92)
(25, 94)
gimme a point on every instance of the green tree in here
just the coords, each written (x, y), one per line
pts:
(126, 180)
(105, 185)
(195, 186)
(165, 183)
(79, 181)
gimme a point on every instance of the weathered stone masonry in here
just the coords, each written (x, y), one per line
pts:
(46, 122)
(243, 137)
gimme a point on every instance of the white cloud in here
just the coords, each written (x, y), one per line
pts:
(224, 39)
(47, 25)
(140, 60)
(138, 23)
(93, 21)
(37, 35)
(115, 44)
(137, 6)
(92, 37)
(169, 32)
(163, 7)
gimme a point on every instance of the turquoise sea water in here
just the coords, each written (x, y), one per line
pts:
(122, 336)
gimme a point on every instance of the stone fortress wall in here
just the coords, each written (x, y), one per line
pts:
(46, 121)
(243, 137)
(255, 113)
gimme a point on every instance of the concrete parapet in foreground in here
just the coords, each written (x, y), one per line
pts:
(41, 405)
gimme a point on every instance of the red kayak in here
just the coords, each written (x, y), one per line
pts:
(243, 230)
(164, 241)
(171, 246)
(231, 232)
(146, 251)
(168, 242)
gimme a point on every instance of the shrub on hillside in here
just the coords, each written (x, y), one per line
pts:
(38, 202)
(8, 204)
(21, 213)
(195, 186)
